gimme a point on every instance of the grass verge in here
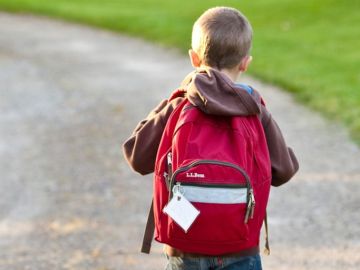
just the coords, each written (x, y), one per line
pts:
(310, 48)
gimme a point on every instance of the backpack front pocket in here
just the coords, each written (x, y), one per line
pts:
(222, 193)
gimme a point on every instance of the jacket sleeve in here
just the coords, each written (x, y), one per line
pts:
(141, 148)
(284, 163)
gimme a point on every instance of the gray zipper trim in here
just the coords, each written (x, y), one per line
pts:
(226, 194)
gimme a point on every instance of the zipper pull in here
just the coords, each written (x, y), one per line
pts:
(169, 164)
(178, 189)
(250, 206)
(169, 158)
(167, 181)
(169, 169)
(248, 210)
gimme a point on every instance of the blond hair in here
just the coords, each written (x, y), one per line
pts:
(221, 37)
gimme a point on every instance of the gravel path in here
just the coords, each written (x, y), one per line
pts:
(70, 95)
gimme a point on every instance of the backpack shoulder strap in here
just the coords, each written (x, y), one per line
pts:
(177, 93)
(149, 231)
(261, 101)
(267, 245)
(150, 224)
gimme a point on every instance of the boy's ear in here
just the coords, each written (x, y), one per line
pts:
(194, 58)
(245, 62)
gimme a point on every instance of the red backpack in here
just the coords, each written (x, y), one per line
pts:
(221, 165)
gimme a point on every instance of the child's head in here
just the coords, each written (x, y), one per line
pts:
(221, 39)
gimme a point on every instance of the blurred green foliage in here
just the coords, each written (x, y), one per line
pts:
(310, 48)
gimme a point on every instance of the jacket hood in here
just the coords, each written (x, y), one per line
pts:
(214, 93)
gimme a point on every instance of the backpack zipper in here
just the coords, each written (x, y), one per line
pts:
(206, 161)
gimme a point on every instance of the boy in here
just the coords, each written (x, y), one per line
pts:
(221, 42)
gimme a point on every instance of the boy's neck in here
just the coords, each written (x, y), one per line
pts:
(232, 74)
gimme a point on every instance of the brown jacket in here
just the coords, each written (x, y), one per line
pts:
(213, 93)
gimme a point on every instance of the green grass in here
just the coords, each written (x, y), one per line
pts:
(310, 48)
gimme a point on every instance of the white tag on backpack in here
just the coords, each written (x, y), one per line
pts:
(181, 211)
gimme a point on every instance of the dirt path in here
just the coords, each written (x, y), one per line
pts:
(70, 95)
